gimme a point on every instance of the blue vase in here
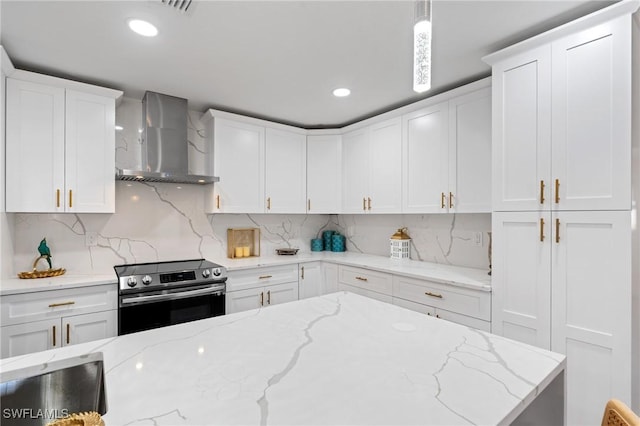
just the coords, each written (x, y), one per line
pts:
(338, 243)
(317, 244)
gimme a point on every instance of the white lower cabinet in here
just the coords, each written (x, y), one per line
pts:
(311, 282)
(457, 304)
(44, 320)
(260, 287)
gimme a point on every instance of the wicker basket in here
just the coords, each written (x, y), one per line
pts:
(90, 418)
(35, 273)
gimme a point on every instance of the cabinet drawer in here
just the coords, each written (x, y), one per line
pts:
(444, 314)
(27, 307)
(364, 292)
(260, 277)
(464, 301)
(365, 279)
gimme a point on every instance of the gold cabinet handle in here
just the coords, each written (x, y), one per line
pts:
(269, 203)
(302, 273)
(264, 277)
(57, 198)
(450, 200)
(268, 297)
(442, 200)
(541, 192)
(309, 205)
(54, 335)
(369, 202)
(55, 305)
(437, 316)
(364, 204)
(262, 298)
(68, 332)
(218, 201)
(362, 279)
(428, 293)
(557, 191)
(70, 198)
(541, 229)
(557, 230)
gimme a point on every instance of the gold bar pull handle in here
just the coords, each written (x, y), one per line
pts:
(262, 298)
(70, 198)
(557, 230)
(361, 279)
(57, 198)
(450, 200)
(268, 297)
(442, 200)
(364, 204)
(264, 277)
(309, 205)
(557, 191)
(54, 335)
(369, 202)
(436, 295)
(541, 229)
(541, 192)
(269, 203)
(302, 272)
(218, 201)
(68, 332)
(55, 305)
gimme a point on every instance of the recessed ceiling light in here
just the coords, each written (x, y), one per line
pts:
(143, 28)
(341, 92)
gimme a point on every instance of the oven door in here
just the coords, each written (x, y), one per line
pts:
(144, 311)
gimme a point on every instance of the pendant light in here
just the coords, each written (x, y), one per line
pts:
(422, 46)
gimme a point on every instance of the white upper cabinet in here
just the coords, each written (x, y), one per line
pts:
(591, 121)
(324, 174)
(286, 172)
(447, 156)
(372, 168)
(238, 160)
(60, 147)
(568, 149)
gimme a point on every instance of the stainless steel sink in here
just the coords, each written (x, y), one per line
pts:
(40, 394)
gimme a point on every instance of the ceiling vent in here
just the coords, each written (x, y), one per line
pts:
(179, 5)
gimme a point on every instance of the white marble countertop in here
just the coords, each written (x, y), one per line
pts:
(17, 285)
(334, 359)
(476, 279)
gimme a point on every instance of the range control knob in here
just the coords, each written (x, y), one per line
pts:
(132, 281)
(146, 280)
(217, 272)
(206, 273)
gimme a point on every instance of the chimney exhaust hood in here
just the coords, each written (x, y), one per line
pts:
(164, 143)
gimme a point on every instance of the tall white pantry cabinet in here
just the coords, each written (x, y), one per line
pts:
(565, 258)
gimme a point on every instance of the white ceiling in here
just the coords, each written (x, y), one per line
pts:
(278, 60)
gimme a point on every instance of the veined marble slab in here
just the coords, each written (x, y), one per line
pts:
(335, 359)
(17, 285)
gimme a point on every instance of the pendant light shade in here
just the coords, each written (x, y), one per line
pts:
(422, 47)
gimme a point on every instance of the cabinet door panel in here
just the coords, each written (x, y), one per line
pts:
(239, 163)
(310, 282)
(425, 152)
(286, 172)
(385, 162)
(89, 327)
(89, 153)
(355, 171)
(521, 277)
(324, 174)
(281, 293)
(243, 300)
(470, 152)
(521, 130)
(591, 119)
(34, 147)
(30, 337)
(591, 309)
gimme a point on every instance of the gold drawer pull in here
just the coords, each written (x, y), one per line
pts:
(269, 203)
(442, 200)
(70, 198)
(217, 201)
(364, 204)
(268, 297)
(541, 192)
(309, 204)
(55, 305)
(557, 191)
(369, 203)
(262, 298)
(361, 279)
(57, 198)
(428, 293)
(541, 229)
(451, 200)
(68, 332)
(302, 269)
(557, 230)
(54, 335)
(264, 277)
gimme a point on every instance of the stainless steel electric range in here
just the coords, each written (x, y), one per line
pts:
(159, 294)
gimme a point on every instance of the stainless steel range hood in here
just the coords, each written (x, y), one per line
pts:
(164, 143)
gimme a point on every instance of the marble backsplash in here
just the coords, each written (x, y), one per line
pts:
(162, 221)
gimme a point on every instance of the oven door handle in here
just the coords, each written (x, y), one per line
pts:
(172, 296)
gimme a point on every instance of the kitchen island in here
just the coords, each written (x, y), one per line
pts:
(335, 359)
